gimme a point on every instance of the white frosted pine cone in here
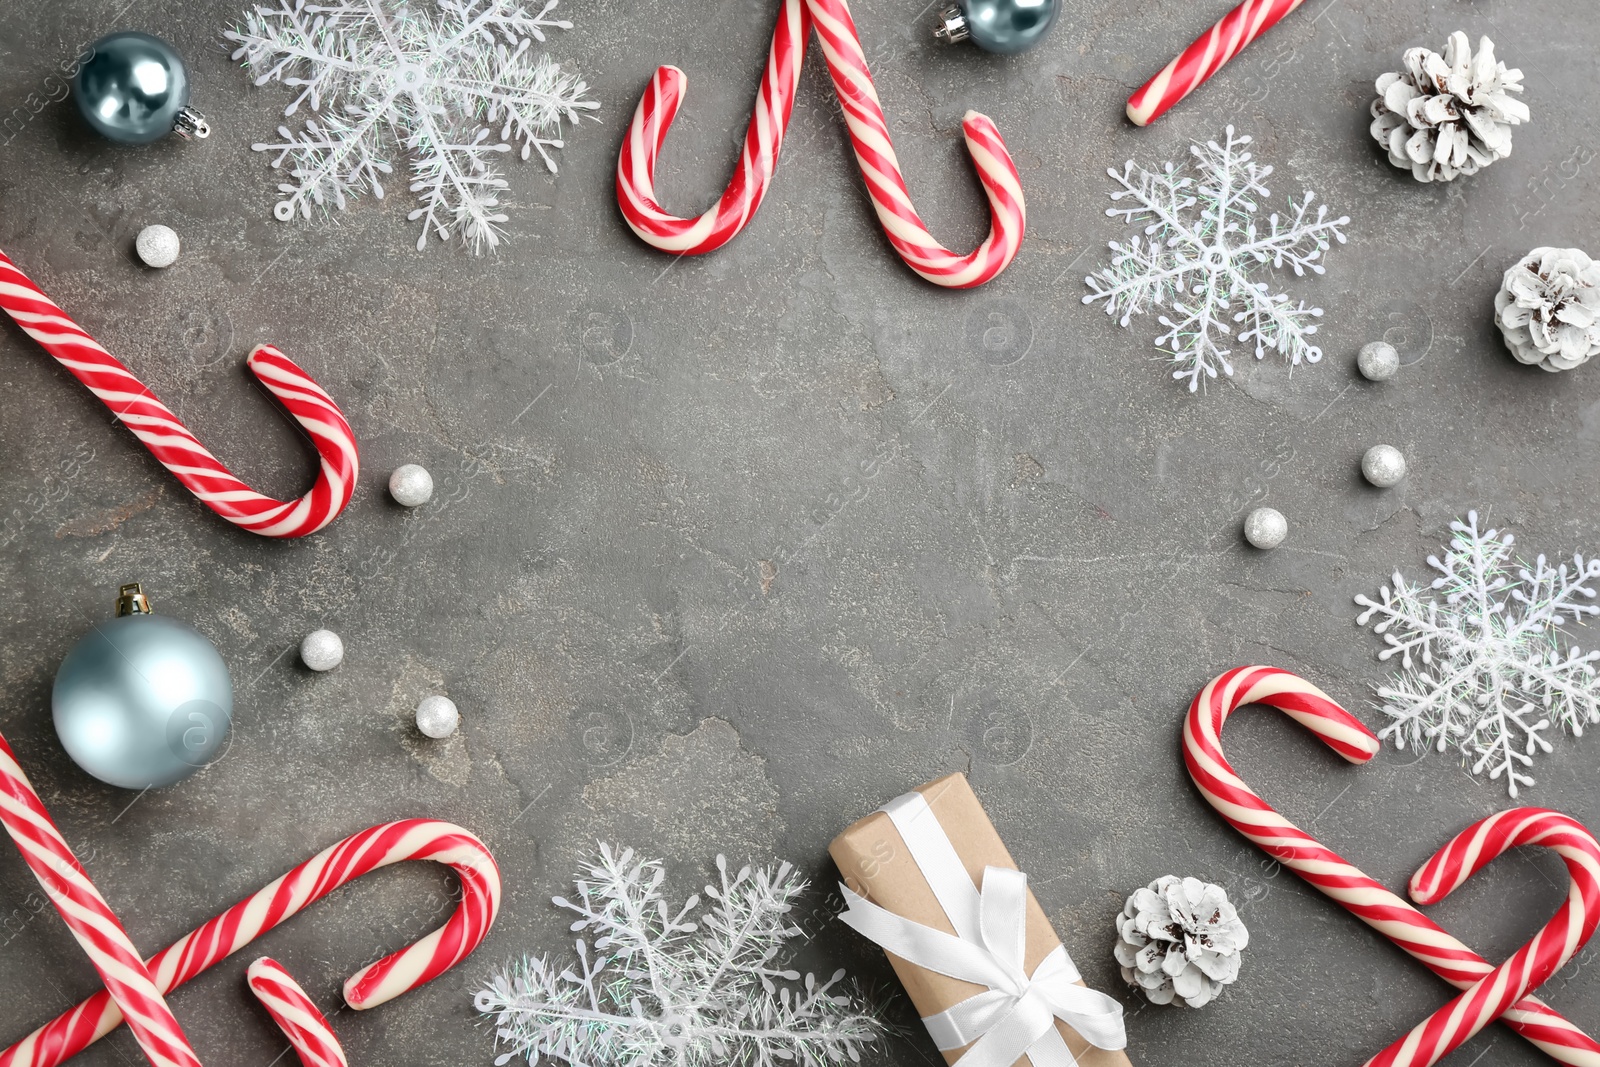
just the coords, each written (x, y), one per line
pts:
(1180, 939)
(1448, 115)
(1548, 308)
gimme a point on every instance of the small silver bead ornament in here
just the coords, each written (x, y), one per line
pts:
(438, 717)
(1378, 361)
(411, 485)
(1265, 528)
(157, 246)
(1383, 466)
(322, 650)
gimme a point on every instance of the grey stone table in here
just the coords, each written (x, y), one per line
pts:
(728, 551)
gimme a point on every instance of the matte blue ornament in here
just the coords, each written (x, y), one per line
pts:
(134, 89)
(1004, 26)
(142, 700)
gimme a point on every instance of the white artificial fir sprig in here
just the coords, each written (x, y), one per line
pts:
(686, 987)
(452, 84)
(1203, 244)
(1485, 667)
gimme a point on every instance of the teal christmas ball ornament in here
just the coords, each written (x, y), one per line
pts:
(134, 89)
(143, 700)
(1004, 26)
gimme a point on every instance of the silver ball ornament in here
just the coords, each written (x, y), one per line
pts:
(1378, 361)
(322, 650)
(143, 700)
(411, 485)
(157, 246)
(437, 716)
(1004, 26)
(1266, 528)
(1383, 466)
(133, 88)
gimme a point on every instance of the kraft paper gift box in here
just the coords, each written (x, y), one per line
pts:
(878, 865)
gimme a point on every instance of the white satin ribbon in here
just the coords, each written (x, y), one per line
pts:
(1017, 1013)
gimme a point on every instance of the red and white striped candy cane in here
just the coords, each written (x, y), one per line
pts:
(165, 435)
(380, 846)
(129, 985)
(1326, 870)
(869, 136)
(769, 120)
(1567, 932)
(305, 1027)
(1205, 57)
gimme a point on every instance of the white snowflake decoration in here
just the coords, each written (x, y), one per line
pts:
(452, 83)
(1200, 249)
(1485, 668)
(659, 988)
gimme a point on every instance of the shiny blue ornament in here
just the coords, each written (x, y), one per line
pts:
(134, 89)
(142, 700)
(1004, 26)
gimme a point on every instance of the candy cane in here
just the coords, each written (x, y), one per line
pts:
(308, 1032)
(1570, 929)
(1205, 57)
(165, 435)
(1326, 870)
(380, 846)
(869, 137)
(769, 120)
(129, 985)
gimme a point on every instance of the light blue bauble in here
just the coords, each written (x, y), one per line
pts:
(132, 88)
(143, 700)
(1008, 26)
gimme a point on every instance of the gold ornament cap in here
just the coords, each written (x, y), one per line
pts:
(132, 601)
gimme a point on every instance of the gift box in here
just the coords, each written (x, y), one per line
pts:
(928, 878)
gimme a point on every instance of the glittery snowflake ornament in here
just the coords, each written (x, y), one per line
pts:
(1202, 246)
(1485, 667)
(666, 986)
(451, 84)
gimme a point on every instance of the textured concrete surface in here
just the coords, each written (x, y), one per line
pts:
(728, 551)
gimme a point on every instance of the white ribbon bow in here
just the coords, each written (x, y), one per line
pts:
(1017, 1013)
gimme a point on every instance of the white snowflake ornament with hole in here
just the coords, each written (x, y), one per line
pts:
(452, 84)
(1485, 667)
(1201, 249)
(678, 987)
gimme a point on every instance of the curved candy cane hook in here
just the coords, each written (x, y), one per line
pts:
(769, 120)
(1567, 932)
(869, 136)
(410, 839)
(165, 435)
(1324, 869)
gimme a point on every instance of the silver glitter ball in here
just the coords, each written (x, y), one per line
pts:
(1378, 361)
(157, 246)
(1266, 528)
(1383, 465)
(322, 650)
(411, 485)
(437, 716)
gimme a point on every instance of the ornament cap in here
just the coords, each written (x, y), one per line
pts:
(952, 27)
(191, 125)
(132, 601)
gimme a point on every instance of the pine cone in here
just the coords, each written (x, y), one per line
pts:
(1448, 115)
(1548, 308)
(1180, 938)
